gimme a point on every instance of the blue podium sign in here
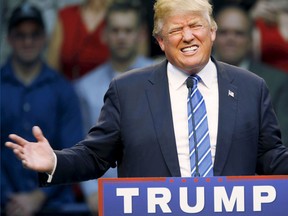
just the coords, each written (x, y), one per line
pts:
(245, 195)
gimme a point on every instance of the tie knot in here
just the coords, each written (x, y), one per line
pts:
(195, 79)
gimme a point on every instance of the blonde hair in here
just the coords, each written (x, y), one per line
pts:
(166, 8)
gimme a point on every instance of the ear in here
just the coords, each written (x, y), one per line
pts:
(161, 43)
(213, 34)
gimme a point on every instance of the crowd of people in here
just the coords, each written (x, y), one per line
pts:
(55, 76)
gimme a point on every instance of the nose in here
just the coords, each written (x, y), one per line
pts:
(28, 40)
(121, 34)
(188, 34)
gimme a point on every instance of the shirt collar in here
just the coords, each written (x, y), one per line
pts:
(178, 77)
(208, 74)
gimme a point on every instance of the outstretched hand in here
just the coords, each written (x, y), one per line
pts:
(37, 156)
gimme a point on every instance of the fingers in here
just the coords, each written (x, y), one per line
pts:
(25, 164)
(11, 145)
(22, 142)
(17, 139)
(17, 149)
(38, 134)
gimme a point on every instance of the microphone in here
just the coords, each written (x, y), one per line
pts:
(190, 84)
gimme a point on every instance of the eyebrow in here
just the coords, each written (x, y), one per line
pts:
(191, 23)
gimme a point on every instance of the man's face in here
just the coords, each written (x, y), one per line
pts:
(233, 40)
(27, 41)
(187, 41)
(122, 35)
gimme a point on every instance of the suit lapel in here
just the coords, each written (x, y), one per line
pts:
(227, 116)
(159, 103)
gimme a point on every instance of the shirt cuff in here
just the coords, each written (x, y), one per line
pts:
(50, 176)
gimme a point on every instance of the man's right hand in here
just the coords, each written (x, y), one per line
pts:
(37, 156)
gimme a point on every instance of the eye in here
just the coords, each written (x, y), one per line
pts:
(240, 33)
(196, 26)
(175, 31)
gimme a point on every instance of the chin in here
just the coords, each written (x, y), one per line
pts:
(29, 62)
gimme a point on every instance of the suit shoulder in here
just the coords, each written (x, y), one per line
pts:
(138, 75)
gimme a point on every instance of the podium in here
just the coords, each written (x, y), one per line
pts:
(233, 195)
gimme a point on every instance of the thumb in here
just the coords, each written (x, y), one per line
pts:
(37, 132)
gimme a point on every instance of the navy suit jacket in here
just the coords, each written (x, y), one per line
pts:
(135, 129)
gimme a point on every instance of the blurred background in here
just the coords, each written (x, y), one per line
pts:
(73, 49)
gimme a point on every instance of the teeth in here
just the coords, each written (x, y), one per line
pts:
(187, 49)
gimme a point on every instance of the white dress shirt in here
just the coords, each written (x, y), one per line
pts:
(178, 96)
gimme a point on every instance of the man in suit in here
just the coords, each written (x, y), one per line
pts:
(143, 123)
(233, 46)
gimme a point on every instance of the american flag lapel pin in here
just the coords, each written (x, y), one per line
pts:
(231, 93)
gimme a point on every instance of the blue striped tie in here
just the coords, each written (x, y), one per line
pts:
(198, 133)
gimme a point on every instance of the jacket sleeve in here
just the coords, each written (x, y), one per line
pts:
(94, 155)
(272, 154)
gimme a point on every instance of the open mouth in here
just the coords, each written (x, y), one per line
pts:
(190, 49)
